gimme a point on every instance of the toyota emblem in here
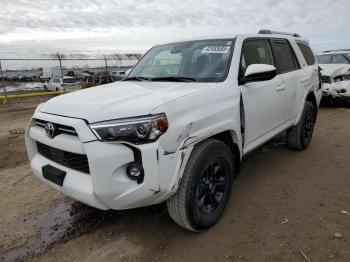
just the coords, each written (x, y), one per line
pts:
(51, 130)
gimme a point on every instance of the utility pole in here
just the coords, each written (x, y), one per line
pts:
(106, 65)
(60, 60)
(3, 82)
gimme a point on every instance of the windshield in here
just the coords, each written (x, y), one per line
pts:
(197, 61)
(324, 59)
(333, 59)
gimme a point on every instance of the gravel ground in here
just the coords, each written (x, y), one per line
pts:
(285, 205)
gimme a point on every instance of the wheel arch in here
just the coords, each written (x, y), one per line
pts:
(311, 97)
(230, 138)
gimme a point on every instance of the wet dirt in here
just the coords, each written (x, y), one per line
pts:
(65, 221)
(284, 204)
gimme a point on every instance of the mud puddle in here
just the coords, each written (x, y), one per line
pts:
(70, 220)
(65, 221)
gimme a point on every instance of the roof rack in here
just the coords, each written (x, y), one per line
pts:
(269, 32)
(337, 50)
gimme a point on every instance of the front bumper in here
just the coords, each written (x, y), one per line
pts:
(337, 90)
(107, 186)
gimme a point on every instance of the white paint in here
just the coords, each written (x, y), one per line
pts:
(195, 111)
(258, 69)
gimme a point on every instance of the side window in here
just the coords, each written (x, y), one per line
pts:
(285, 59)
(255, 52)
(307, 53)
(324, 59)
(339, 59)
(56, 80)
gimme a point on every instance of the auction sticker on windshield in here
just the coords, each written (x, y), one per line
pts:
(215, 49)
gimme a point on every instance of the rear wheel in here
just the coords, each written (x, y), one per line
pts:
(205, 187)
(299, 136)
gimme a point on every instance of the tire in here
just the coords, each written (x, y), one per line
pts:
(205, 187)
(299, 136)
(57, 89)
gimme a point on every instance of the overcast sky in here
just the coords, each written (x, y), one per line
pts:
(106, 26)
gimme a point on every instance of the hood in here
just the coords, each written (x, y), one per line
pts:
(119, 99)
(334, 70)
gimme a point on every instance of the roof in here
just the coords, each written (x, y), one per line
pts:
(332, 52)
(231, 36)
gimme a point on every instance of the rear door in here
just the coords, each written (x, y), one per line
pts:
(264, 100)
(289, 73)
(310, 70)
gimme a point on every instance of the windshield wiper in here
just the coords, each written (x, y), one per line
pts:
(137, 78)
(174, 78)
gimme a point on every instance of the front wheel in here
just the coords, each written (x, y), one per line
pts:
(205, 187)
(299, 137)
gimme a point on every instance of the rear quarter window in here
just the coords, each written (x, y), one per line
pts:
(307, 53)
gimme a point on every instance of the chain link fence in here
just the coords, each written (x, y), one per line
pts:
(19, 72)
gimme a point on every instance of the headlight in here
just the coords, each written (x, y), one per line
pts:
(338, 79)
(136, 130)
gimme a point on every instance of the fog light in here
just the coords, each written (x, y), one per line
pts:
(135, 172)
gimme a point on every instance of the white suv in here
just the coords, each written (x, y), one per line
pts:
(335, 65)
(177, 127)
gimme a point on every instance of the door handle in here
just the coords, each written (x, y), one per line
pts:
(280, 88)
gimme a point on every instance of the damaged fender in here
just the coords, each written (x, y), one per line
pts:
(193, 120)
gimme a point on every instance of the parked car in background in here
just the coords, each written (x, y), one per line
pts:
(12, 78)
(118, 75)
(25, 78)
(82, 76)
(70, 73)
(335, 77)
(339, 56)
(50, 72)
(96, 80)
(176, 128)
(59, 83)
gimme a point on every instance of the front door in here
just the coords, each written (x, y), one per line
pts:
(264, 100)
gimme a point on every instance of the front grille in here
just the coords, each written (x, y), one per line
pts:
(61, 128)
(74, 161)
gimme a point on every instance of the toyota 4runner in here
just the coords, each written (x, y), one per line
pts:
(177, 127)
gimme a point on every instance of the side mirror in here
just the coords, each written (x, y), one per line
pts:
(258, 72)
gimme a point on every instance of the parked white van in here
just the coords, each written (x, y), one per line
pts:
(177, 127)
